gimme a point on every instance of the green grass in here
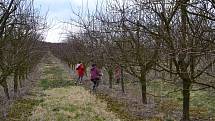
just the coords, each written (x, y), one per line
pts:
(53, 70)
(97, 118)
(47, 84)
(69, 108)
(22, 109)
(201, 102)
(56, 80)
(117, 107)
(71, 104)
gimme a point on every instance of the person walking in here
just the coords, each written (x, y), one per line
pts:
(80, 73)
(95, 75)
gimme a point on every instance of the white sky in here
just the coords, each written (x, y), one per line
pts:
(59, 12)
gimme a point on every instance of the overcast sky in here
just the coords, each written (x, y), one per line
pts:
(58, 12)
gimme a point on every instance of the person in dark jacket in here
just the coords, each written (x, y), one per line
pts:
(95, 76)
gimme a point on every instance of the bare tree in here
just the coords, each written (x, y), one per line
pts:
(175, 36)
(184, 39)
(19, 32)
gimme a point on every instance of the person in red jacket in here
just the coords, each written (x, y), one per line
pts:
(80, 72)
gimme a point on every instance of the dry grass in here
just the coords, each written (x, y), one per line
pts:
(71, 104)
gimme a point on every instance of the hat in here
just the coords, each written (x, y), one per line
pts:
(93, 65)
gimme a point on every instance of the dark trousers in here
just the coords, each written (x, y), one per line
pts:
(95, 83)
(80, 79)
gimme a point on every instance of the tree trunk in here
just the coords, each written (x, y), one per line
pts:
(69, 64)
(110, 73)
(186, 79)
(143, 87)
(26, 75)
(122, 80)
(170, 67)
(15, 80)
(4, 85)
(186, 99)
(20, 81)
(85, 68)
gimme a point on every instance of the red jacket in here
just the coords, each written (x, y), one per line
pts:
(80, 70)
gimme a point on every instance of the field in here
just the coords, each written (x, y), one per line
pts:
(55, 97)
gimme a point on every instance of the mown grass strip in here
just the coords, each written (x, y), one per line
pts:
(55, 77)
(72, 103)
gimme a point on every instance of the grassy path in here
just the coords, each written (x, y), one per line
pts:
(57, 99)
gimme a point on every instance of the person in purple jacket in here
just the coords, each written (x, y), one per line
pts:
(95, 75)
